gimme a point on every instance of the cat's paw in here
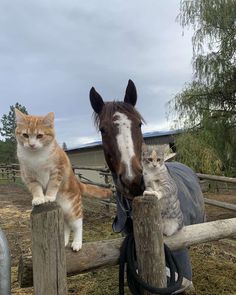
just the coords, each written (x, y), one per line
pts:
(50, 198)
(38, 201)
(76, 246)
(153, 193)
(148, 193)
(158, 195)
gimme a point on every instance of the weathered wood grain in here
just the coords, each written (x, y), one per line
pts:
(217, 178)
(47, 230)
(220, 204)
(149, 245)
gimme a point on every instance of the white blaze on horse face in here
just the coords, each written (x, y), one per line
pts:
(125, 142)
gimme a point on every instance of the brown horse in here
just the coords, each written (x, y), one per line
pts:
(120, 126)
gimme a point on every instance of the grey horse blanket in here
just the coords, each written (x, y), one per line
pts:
(191, 203)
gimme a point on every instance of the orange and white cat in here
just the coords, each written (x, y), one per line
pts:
(47, 172)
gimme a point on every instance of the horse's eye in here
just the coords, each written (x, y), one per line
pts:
(102, 130)
(25, 135)
(39, 136)
(140, 125)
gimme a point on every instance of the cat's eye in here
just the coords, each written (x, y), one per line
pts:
(158, 159)
(25, 135)
(39, 136)
(149, 159)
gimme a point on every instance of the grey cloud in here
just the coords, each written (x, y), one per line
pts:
(53, 52)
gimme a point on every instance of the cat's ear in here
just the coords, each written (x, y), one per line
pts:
(168, 154)
(169, 157)
(130, 93)
(96, 100)
(48, 120)
(20, 117)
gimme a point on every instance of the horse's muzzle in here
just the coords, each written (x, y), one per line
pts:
(131, 189)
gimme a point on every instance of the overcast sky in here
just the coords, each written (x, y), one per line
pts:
(53, 52)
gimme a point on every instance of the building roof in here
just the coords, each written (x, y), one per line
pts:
(160, 133)
(145, 135)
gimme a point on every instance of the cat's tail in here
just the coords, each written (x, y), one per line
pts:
(94, 191)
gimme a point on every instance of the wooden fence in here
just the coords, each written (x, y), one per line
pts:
(103, 171)
(50, 263)
(218, 184)
(9, 172)
(223, 179)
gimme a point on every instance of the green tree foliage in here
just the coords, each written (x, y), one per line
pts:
(7, 152)
(197, 152)
(7, 131)
(9, 124)
(208, 103)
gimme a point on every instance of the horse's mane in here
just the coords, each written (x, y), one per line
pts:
(110, 108)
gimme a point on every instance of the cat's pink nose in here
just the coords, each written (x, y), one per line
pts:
(32, 145)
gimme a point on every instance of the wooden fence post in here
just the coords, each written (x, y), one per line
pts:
(48, 250)
(149, 241)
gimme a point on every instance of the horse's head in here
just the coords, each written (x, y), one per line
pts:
(120, 127)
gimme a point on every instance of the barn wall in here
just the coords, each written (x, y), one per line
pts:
(159, 140)
(88, 157)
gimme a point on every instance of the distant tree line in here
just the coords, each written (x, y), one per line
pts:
(7, 131)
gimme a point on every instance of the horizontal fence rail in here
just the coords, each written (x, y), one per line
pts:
(104, 172)
(220, 204)
(94, 168)
(217, 178)
(11, 172)
(100, 254)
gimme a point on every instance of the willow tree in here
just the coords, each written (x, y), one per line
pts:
(207, 105)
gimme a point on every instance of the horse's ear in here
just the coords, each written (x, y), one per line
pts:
(130, 93)
(96, 100)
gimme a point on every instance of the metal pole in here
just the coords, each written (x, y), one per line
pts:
(5, 266)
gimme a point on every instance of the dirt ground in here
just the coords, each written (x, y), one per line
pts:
(214, 264)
